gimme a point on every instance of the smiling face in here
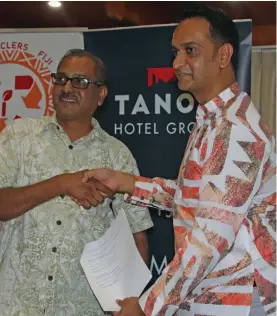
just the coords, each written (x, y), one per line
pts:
(196, 62)
(77, 104)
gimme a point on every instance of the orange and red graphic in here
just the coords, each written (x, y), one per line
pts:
(26, 86)
(164, 74)
(31, 100)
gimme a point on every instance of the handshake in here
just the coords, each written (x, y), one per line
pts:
(90, 187)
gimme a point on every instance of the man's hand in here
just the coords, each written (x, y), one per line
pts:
(86, 194)
(129, 307)
(117, 181)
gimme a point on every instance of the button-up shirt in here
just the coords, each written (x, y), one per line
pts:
(224, 210)
(40, 271)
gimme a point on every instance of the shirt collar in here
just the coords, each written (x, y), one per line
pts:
(217, 104)
(97, 131)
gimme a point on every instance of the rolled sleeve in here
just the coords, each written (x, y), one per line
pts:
(157, 192)
(8, 159)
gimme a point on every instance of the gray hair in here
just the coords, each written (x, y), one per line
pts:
(100, 68)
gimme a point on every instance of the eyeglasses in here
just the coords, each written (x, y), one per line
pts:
(77, 82)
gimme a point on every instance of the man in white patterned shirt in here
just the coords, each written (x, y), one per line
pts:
(224, 200)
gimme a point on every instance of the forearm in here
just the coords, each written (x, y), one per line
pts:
(142, 245)
(17, 201)
(126, 182)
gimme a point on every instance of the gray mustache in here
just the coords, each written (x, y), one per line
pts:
(67, 95)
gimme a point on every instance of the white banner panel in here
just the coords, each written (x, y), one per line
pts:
(26, 62)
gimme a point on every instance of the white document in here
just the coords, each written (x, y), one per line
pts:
(113, 265)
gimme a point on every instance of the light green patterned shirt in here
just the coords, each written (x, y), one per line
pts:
(40, 271)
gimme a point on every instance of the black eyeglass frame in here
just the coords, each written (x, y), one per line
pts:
(88, 81)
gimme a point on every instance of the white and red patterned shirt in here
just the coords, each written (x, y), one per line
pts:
(224, 206)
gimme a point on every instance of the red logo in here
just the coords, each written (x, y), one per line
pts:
(30, 101)
(156, 75)
(26, 86)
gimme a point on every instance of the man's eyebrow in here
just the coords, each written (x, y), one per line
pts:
(186, 44)
(80, 75)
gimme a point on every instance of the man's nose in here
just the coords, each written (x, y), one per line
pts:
(68, 86)
(179, 61)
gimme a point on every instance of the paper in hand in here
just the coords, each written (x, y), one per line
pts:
(113, 265)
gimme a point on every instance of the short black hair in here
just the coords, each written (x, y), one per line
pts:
(222, 27)
(100, 68)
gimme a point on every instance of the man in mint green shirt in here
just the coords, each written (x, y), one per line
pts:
(43, 232)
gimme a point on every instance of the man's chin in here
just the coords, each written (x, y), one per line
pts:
(184, 86)
(67, 107)
(66, 112)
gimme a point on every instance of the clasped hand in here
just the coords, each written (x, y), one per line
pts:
(85, 191)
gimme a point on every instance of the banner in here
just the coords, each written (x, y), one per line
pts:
(147, 112)
(26, 62)
(243, 70)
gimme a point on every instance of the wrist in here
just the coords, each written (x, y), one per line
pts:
(126, 182)
(60, 184)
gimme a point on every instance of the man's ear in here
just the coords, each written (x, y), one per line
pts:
(225, 55)
(102, 95)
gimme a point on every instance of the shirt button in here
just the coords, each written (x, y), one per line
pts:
(58, 127)
(70, 147)
(50, 277)
(62, 196)
(59, 222)
(54, 249)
